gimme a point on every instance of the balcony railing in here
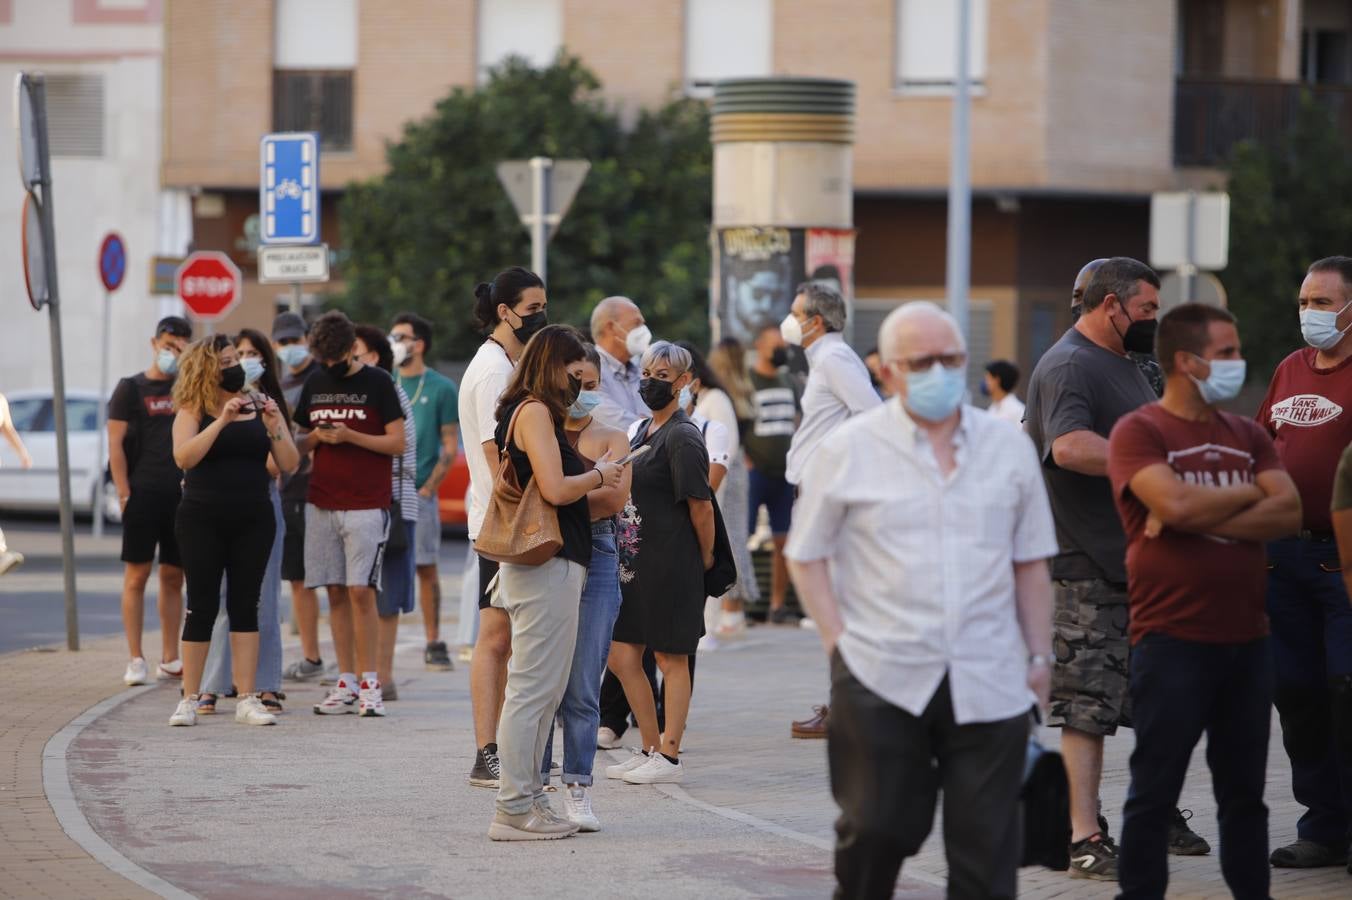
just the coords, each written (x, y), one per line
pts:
(1212, 115)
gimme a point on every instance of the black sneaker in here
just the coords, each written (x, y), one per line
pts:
(1095, 858)
(438, 657)
(487, 770)
(1305, 854)
(1183, 841)
(782, 616)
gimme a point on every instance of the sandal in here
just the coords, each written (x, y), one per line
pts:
(206, 704)
(272, 701)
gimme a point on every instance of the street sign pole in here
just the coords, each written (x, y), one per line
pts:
(39, 92)
(959, 181)
(295, 297)
(1188, 271)
(539, 168)
(97, 512)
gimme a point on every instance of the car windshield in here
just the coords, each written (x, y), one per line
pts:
(35, 414)
(27, 413)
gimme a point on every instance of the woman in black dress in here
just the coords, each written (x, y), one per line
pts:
(669, 539)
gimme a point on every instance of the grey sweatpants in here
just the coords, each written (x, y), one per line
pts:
(542, 603)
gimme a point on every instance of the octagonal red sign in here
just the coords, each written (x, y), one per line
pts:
(209, 285)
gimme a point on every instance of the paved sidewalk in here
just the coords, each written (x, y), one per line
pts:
(342, 807)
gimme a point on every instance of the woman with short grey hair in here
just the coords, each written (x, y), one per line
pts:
(668, 545)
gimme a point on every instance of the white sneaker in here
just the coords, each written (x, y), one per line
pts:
(185, 713)
(577, 807)
(707, 644)
(656, 770)
(807, 624)
(340, 701)
(250, 711)
(607, 739)
(731, 627)
(136, 672)
(170, 671)
(372, 702)
(619, 770)
(10, 559)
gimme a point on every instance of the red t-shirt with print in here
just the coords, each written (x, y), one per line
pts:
(1194, 587)
(1308, 413)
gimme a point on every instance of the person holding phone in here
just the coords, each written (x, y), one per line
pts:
(542, 601)
(671, 519)
(225, 523)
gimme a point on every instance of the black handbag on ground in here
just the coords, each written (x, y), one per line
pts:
(1046, 809)
(398, 536)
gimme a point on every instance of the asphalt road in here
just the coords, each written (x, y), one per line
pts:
(32, 601)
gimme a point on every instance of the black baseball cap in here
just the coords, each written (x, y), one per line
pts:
(288, 325)
(175, 325)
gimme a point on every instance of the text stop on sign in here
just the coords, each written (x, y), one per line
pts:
(209, 285)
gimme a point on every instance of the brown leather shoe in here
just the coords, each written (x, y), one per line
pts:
(814, 727)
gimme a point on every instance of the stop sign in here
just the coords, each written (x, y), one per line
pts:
(209, 285)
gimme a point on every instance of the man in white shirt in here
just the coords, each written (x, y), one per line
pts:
(1002, 376)
(621, 338)
(838, 385)
(920, 546)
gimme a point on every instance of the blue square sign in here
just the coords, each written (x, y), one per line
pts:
(288, 188)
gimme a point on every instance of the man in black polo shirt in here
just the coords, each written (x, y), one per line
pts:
(141, 458)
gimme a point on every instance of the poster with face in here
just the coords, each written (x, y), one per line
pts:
(830, 259)
(758, 269)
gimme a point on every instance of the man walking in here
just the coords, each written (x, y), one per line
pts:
(1078, 391)
(291, 343)
(837, 388)
(920, 548)
(141, 459)
(1198, 491)
(349, 416)
(1306, 413)
(436, 417)
(621, 338)
(767, 451)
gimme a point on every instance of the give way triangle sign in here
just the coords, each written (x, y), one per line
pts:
(555, 182)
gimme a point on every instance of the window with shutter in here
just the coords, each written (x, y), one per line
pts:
(75, 115)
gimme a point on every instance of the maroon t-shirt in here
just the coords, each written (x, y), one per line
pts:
(1191, 586)
(1306, 412)
(346, 476)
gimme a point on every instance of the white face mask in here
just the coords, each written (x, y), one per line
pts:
(400, 350)
(637, 340)
(791, 330)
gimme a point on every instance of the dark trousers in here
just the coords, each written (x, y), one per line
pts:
(1312, 657)
(1180, 690)
(226, 539)
(615, 712)
(887, 767)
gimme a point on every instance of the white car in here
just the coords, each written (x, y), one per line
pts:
(37, 489)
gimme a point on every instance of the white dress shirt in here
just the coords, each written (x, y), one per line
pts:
(620, 405)
(923, 565)
(1009, 408)
(838, 387)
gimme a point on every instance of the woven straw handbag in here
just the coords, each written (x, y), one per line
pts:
(520, 527)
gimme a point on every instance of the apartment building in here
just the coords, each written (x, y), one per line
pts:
(1081, 108)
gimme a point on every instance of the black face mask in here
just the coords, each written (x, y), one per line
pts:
(1139, 336)
(779, 357)
(655, 393)
(1076, 310)
(530, 325)
(574, 388)
(232, 379)
(338, 369)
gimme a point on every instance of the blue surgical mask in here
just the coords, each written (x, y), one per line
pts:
(167, 362)
(253, 369)
(1224, 382)
(1319, 327)
(686, 398)
(935, 393)
(292, 355)
(584, 404)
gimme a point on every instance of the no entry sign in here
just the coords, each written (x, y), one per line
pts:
(209, 285)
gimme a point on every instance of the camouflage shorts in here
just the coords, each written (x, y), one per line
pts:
(1089, 680)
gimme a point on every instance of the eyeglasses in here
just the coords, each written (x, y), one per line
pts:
(403, 338)
(925, 363)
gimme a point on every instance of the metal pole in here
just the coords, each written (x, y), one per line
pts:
(295, 297)
(959, 181)
(1188, 271)
(539, 196)
(39, 92)
(103, 413)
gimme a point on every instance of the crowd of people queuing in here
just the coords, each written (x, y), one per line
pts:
(1122, 552)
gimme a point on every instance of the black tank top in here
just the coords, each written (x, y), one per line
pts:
(575, 518)
(235, 468)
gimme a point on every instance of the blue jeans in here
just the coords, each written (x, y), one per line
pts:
(580, 710)
(398, 578)
(1312, 656)
(1180, 689)
(217, 678)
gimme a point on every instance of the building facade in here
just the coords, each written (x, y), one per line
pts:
(1080, 110)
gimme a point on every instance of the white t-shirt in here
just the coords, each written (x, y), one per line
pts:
(1009, 408)
(484, 381)
(716, 406)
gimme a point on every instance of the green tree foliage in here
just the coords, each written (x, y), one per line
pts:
(438, 222)
(1290, 204)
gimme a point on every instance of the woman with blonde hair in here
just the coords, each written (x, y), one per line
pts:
(223, 437)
